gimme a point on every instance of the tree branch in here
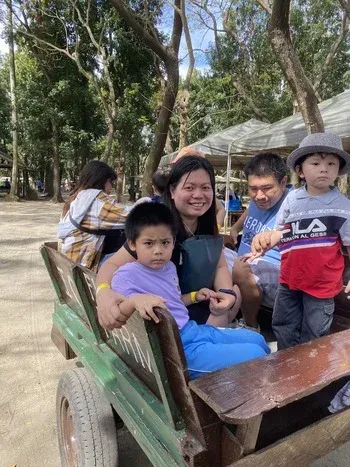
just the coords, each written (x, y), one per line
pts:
(205, 8)
(333, 51)
(279, 35)
(150, 41)
(265, 5)
(182, 12)
(346, 7)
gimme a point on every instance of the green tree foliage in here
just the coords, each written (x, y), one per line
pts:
(243, 77)
(242, 54)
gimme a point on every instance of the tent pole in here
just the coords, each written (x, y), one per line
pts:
(227, 191)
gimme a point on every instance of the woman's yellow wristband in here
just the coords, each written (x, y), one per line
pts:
(193, 297)
(104, 285)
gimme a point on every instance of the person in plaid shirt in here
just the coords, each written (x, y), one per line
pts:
(90, 215)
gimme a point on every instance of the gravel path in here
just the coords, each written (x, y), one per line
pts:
(30, 364)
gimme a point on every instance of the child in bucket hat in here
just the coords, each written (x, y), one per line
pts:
(313, 224)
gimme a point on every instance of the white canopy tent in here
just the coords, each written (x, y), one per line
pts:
(216, 146)
(285, 135)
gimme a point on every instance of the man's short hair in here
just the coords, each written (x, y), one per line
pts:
(160, 180)
(148, 215)
(266, 164)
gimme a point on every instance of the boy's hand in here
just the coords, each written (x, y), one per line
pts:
(144, 304)
(204, 294)
(221, 302)
(347, 289)
(261, 243)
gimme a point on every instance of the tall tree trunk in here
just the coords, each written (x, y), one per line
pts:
(183, 101)
(169, 97)
(57, 196)
(279, 34)
(48, 179)
(13, 195)
(121, 171)
(169, 56)
(184, 98)
(107, 155)
(169, 145)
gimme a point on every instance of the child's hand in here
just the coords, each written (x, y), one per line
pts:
(347, 289)
(261, 243)
(204, 294)
(221, 302)
(144, 304)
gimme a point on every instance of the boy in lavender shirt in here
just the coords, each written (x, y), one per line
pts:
(152, 281)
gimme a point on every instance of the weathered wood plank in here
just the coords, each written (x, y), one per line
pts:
(175, 364)
(61, 343)
(60, 269)
(247, 434)
(304, 446)
(244, 391)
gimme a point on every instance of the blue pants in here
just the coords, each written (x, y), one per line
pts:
(208, 348)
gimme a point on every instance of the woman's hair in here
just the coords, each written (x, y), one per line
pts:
(95, 174)
(207, 224)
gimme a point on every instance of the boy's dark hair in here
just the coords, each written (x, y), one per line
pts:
(303, 159)
(148, 215)
(266, 164)
(160, 180)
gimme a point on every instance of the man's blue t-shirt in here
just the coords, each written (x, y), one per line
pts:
(258, 221)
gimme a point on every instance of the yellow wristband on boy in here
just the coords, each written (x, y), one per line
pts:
(104, 285)
(193, 297)
(219, 227)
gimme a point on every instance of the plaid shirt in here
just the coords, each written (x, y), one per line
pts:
(103, 213)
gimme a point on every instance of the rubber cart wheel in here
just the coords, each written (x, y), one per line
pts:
(87, 435)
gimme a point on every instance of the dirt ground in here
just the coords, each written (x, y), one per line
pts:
(30, 365)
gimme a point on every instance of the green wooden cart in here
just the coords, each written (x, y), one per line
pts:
(268, 412)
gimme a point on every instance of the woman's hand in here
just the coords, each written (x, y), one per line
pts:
(221, 302)
(234, 236)
(108, 311)
(144, 304)
(204, 294)
(347, 290)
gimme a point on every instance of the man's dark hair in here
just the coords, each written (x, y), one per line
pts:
(266, 164)
(148, 215)
(160, 180)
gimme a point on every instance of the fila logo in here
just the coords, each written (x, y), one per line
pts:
(315, 226)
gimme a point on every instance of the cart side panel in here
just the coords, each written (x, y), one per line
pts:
(61, 273)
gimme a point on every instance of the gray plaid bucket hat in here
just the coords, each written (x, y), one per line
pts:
(320, 142)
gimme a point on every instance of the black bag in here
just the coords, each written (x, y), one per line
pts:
(199, 258)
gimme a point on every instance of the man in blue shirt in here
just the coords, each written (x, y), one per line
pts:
(258, 281)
